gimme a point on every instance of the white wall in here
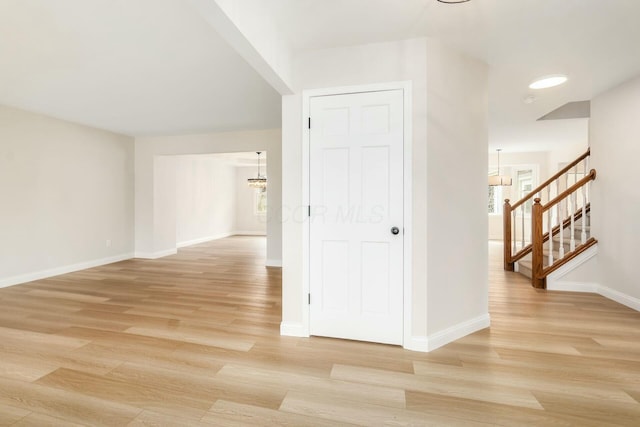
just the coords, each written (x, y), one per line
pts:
(456, 119)
(457, 134)
(615, 197)
(65, 189)
(559, 157)
(246, 219)
(205, 198)
(164, 204)
(153, 236)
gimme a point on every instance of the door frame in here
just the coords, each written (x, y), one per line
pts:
(406, 88)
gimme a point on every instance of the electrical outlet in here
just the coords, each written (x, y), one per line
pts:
(108, 243)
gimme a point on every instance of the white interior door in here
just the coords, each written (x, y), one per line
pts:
(356, 204)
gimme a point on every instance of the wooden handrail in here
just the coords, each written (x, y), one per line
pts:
(561, 172)
(575, 187)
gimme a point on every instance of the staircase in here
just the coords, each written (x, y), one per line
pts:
(550, 226)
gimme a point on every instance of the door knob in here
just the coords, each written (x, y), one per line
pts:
(395, 230)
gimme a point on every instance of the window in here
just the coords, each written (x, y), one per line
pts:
(495, 199)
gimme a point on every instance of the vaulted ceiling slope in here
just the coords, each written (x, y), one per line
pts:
(142, 67)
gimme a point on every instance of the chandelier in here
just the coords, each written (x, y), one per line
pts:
(499, 180)
(260, 182)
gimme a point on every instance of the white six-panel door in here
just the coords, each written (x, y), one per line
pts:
(356, 204)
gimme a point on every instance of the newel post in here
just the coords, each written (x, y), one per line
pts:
(537, 241)
(506, 234)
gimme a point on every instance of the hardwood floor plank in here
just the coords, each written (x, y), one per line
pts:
(9, 415)
(497, 375)
(192, 336)
(495, 414)
(73, 296)
(36, 338)
(231, 413)
(341, 411)
(39, 420)
(462, 387)
(605, 413)
(155, 419)
(127, 392)
(358, 393)
(75, 407)
(23, 369)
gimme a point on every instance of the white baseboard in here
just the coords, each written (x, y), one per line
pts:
(417, 344)
(619, 297)
(30, 277)
(596, 288)
(156, 255)
(203, 239)
(273, 263)
(293, 329)
(249, 233)
(567, 286)
(458, 331)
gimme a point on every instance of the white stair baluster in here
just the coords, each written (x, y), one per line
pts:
(586, 171)
(550, 220)
(572, 241)
(561, 244)
(566, 185)
(515, 236)
(557, 209)
(522, 212)
(575, 179)
(583, 235)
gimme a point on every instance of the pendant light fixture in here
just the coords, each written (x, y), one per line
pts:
(261, 181)
(502, 180)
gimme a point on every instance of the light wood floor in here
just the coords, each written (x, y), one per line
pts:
(193, 339)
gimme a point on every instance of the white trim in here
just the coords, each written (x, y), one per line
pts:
(248, 233)
(420, 343)
(408, 338)
(458, 331)
(406, 87)
(203, 239)
(293, 329)
(273, 263)
(619, 297)
(568, 286)
(554, 277)
(156, 255)
(595, 288)
(30, 277)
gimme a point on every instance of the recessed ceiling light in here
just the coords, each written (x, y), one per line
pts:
(548, 81)
(453, 1)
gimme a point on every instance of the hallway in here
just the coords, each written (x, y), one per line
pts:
(193, 339)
